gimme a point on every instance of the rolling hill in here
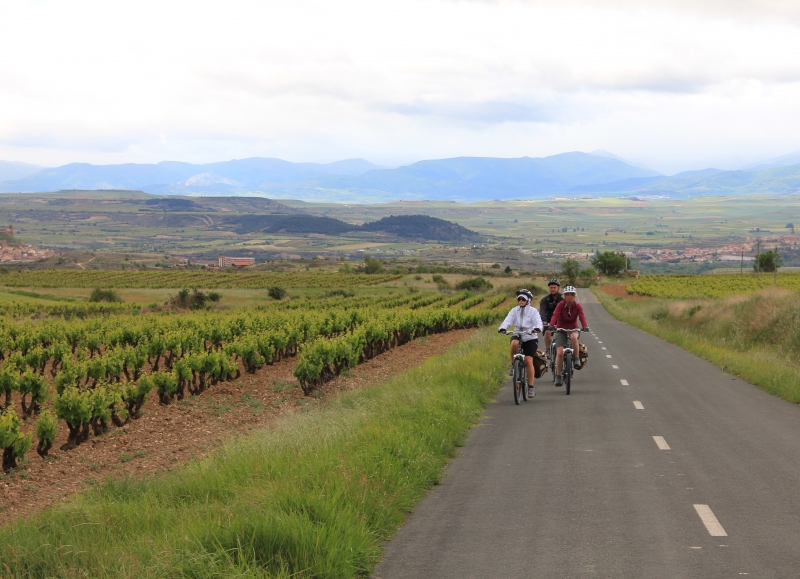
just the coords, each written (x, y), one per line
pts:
(402, 226)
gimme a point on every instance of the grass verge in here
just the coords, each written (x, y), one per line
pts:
(755, 336)
(314, 497)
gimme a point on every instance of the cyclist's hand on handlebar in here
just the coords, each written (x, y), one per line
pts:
(586, 329)
(501, 331)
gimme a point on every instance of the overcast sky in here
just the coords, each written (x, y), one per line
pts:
(671, 84)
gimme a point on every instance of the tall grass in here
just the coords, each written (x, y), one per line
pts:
(755, 336)
(313, 497)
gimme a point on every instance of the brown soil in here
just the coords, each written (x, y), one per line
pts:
(619, 291)
(166, 436)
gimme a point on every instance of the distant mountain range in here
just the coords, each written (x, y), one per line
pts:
(708, 182)
(10, 170)
(466, 179)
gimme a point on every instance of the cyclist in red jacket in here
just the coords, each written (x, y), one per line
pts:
(566, 316)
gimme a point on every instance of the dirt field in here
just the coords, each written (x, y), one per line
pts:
(166, 436)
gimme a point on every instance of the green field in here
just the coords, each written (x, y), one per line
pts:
(715, 286)
(514, 231)
(314, 497)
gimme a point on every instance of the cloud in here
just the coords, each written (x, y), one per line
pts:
(666, 81)
(481, 112)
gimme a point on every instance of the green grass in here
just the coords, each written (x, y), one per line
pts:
(755, 336)
(314, 497)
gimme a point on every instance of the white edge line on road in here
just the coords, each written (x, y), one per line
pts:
(710, 521)
(615, 366)
(624, 382)
(638, 405)
(661, 443)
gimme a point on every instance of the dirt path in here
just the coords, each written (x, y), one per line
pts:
(166, 436)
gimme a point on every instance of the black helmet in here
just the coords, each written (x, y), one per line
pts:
(554, 281)
(523, 293)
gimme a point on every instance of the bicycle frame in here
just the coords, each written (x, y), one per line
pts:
(567, 370)
(520, 370)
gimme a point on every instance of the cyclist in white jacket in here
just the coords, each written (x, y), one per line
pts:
(524, 317)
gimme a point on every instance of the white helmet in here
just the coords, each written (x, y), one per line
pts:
(523, 293)
(569, 290)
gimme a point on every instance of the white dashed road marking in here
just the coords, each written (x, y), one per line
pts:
(661, 443)
(608, 355)
(615, 366)
(624, 382)
(710, 521)
(638, 405)
(604, 348)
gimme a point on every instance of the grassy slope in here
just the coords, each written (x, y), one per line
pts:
(756, 337)
(314, 497)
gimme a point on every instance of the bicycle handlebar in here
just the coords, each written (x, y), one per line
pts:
(522, 333)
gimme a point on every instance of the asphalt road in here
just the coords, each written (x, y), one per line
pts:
(573, 486)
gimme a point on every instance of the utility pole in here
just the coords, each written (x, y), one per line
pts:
(741, 265)
(775, 271)
(758, 261)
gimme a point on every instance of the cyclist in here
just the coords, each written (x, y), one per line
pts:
(566, 315)
(524, 317)
(546, 308)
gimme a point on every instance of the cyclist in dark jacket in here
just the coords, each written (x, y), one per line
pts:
(546, 308)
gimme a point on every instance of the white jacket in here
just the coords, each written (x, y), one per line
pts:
(530, 320)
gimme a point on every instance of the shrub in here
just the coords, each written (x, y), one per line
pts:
(372, 265)
(104, 295)
(475, 284)
(276, 292)
(13, 442)
(46, 432)
(587, 276)
(36, 386)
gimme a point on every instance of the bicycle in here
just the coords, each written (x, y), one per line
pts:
(519, 370)
(551, 363)
(567, 367)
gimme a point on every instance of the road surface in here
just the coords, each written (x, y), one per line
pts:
(658, 465)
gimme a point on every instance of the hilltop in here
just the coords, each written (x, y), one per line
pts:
(421, 227)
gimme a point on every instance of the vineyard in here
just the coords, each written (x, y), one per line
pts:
(93, 372)
(177, 279)
(708, 286)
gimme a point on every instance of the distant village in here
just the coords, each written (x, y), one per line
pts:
(21, 253)
(728, 253)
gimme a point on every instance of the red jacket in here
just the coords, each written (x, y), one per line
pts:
(565, 316)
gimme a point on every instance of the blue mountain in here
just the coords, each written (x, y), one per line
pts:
(220, 177)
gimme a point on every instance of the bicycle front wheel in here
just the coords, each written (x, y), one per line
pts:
(567, 372)
(517, 384)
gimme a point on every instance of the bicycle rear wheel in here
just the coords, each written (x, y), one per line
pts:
(567, 371)
(517, 382)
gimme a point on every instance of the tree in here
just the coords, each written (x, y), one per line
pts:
(372, 265)
(587, 276)
(570, 270)
(767, 261)
(609, 262)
